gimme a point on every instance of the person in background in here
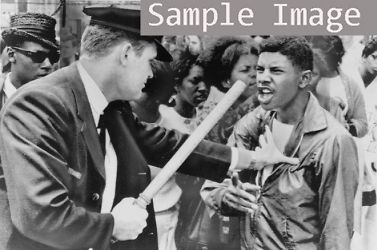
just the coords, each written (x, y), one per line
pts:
(306, 206)
(158, 91)
(68, 48)
(32, 49)
(335, 85)
(191, 90)
(236, 59)
(341, 94)
(368, 74)
(194, 44)
(4, 62)
(227, 60)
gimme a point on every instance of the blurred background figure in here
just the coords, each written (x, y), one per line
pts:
(338, 92)
(169, 42)
(194, 44)
(69, 48)
(368, 73)
(343, 96)
(4, 61)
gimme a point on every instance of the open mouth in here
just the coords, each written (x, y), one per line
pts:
(265, 95)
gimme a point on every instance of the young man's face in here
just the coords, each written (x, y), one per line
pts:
(136, 73)
(277, 80)
(23, 66)
(370, 62)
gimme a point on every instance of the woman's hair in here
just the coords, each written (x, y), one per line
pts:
(219, 58)
(182, 65)
(332, 48)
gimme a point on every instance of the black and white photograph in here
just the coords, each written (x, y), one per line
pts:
(111, 139)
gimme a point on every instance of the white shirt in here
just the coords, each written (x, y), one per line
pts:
(98, 103)
(9, 88)
(280, 133)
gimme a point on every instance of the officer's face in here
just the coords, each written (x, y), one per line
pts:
(137, 72)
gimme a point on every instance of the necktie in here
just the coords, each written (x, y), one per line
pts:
(102, 133)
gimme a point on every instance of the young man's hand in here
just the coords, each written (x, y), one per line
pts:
(240, 196)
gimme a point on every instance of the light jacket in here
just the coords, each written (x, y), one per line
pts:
(304, 206)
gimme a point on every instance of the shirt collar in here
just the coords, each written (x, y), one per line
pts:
(9, 88)
(96, 98)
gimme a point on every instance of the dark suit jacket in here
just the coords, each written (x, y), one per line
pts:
(54, 168)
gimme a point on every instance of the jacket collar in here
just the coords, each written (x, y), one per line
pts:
(314, 118)
(84, 113)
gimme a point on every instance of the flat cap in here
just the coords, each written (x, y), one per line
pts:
(34, 27)
(124, 19)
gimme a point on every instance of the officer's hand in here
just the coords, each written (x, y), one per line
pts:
(268, 153)
(129, 219)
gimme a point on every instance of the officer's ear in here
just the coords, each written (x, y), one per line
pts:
(10, 54)
(306, 78)
(125, 51)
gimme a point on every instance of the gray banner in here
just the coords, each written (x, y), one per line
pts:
(260, 17)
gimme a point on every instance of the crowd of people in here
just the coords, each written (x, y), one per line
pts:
(291, 164)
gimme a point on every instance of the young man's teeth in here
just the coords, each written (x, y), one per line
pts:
(266, 91)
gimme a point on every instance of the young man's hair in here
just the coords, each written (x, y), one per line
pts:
(97, 40)
(370, 48)
(332, 48)
(221, 56)
(297, 49)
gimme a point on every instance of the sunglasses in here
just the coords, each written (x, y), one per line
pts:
(39, 56)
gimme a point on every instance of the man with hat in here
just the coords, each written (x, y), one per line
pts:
(31, 50)
(67, 187)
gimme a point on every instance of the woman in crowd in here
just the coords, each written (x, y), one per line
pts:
(227, 60)
(191, 90)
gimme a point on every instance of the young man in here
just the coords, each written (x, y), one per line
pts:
(368, 67)
(31, 49)
(307, 206)
(67, 187)
(368, 73)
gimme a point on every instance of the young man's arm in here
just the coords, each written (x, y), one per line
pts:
(337, 192)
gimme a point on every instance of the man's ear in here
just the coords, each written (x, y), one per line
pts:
(10, 54)
(306, 78)
(125, 51)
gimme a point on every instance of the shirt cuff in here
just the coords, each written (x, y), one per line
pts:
(234, 161)
(246, 159)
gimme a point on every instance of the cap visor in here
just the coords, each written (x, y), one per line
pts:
(162, 54)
